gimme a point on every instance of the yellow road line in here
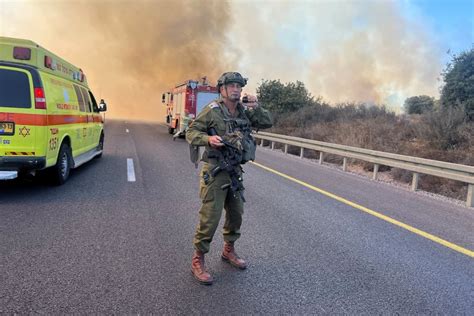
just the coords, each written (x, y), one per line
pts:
(417, 231)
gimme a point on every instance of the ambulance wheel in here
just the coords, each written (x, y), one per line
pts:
(60, 172)
(100, 146)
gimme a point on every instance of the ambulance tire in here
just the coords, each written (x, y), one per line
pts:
(60, 172)
(100, 146)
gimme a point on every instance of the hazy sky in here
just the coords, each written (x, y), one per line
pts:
(343, 50)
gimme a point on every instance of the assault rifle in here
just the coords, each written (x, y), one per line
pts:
(228, 159)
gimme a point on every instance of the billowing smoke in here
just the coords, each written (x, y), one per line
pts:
(368, 51)
(131, 51)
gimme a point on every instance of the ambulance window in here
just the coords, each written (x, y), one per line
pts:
(94, 103)
(87, 101)
(80, 99)
(14, 89)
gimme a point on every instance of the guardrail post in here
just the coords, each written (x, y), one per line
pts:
(376, 170)
(470, 195)
(417, 166)
(414, 181)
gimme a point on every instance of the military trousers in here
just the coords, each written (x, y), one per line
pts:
(214, 200)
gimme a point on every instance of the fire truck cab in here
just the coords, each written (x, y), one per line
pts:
(184, 102)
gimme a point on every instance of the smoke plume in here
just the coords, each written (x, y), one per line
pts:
(133, 51)
(367, 51)
(130, 51)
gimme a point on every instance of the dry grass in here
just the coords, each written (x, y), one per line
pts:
(444, 136)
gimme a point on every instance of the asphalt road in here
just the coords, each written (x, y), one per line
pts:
(102, 244)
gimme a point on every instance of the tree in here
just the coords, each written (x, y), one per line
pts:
(458, 76)
(283, 98)
(419, 104)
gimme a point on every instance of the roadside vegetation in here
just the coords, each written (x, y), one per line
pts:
(434, 129)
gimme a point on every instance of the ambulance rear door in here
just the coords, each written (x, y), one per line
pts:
(19, 119)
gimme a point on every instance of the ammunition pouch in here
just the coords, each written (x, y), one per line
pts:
(194, 154)
(249, 146)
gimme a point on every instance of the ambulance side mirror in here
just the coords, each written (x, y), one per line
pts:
(163, 98)
(102, 106)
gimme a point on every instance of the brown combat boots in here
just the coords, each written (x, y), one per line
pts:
(199, 270)
(229, 255)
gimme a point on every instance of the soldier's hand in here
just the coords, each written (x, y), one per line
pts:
(215, 141)
(252, 101)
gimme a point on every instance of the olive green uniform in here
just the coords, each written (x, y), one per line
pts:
(213, 197)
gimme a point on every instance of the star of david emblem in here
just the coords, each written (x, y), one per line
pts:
(24, 131)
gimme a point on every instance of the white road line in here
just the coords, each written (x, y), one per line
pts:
(126, 130)
(130, 170)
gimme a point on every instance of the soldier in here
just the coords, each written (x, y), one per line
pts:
(224, 120)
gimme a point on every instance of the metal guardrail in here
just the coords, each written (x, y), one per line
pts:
(462, 173)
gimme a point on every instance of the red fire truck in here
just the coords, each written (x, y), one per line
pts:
(184, 102)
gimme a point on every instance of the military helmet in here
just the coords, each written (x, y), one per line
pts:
(230, 77)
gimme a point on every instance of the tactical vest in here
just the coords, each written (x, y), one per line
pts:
(238, 133)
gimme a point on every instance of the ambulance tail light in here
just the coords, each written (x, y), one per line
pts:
(21, 53)
(40, 101)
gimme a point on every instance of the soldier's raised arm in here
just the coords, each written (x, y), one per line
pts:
(259, 117)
